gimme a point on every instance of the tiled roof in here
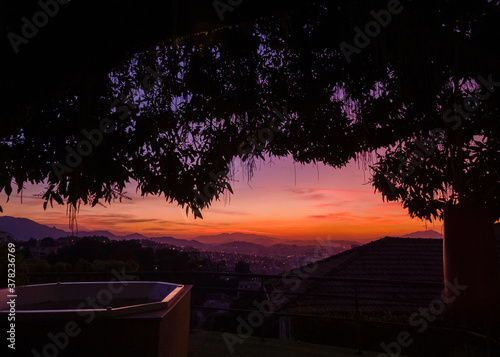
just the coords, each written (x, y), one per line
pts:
(399, 275)
(402, 259)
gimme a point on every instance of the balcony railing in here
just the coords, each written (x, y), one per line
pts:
(475, 339)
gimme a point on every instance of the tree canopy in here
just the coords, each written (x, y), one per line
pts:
(108, 94)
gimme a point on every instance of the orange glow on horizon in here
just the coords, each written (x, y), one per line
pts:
(283, 201)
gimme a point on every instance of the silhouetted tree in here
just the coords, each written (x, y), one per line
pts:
(172, 260)
(48, 242)
(242, 267)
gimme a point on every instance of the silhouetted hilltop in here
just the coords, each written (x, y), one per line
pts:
(424, 234)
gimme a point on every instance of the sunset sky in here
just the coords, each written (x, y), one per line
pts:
(283, 200)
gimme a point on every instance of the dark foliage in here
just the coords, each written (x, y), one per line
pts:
(220, 85)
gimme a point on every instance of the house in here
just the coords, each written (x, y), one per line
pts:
(390, 280)
(389, 276)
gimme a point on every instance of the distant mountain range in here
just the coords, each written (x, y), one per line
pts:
(244, 247)
(242, 237)
(23, 229)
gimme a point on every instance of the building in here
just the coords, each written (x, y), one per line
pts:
(390, 278)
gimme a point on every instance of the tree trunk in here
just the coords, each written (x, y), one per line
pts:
(470, 259)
